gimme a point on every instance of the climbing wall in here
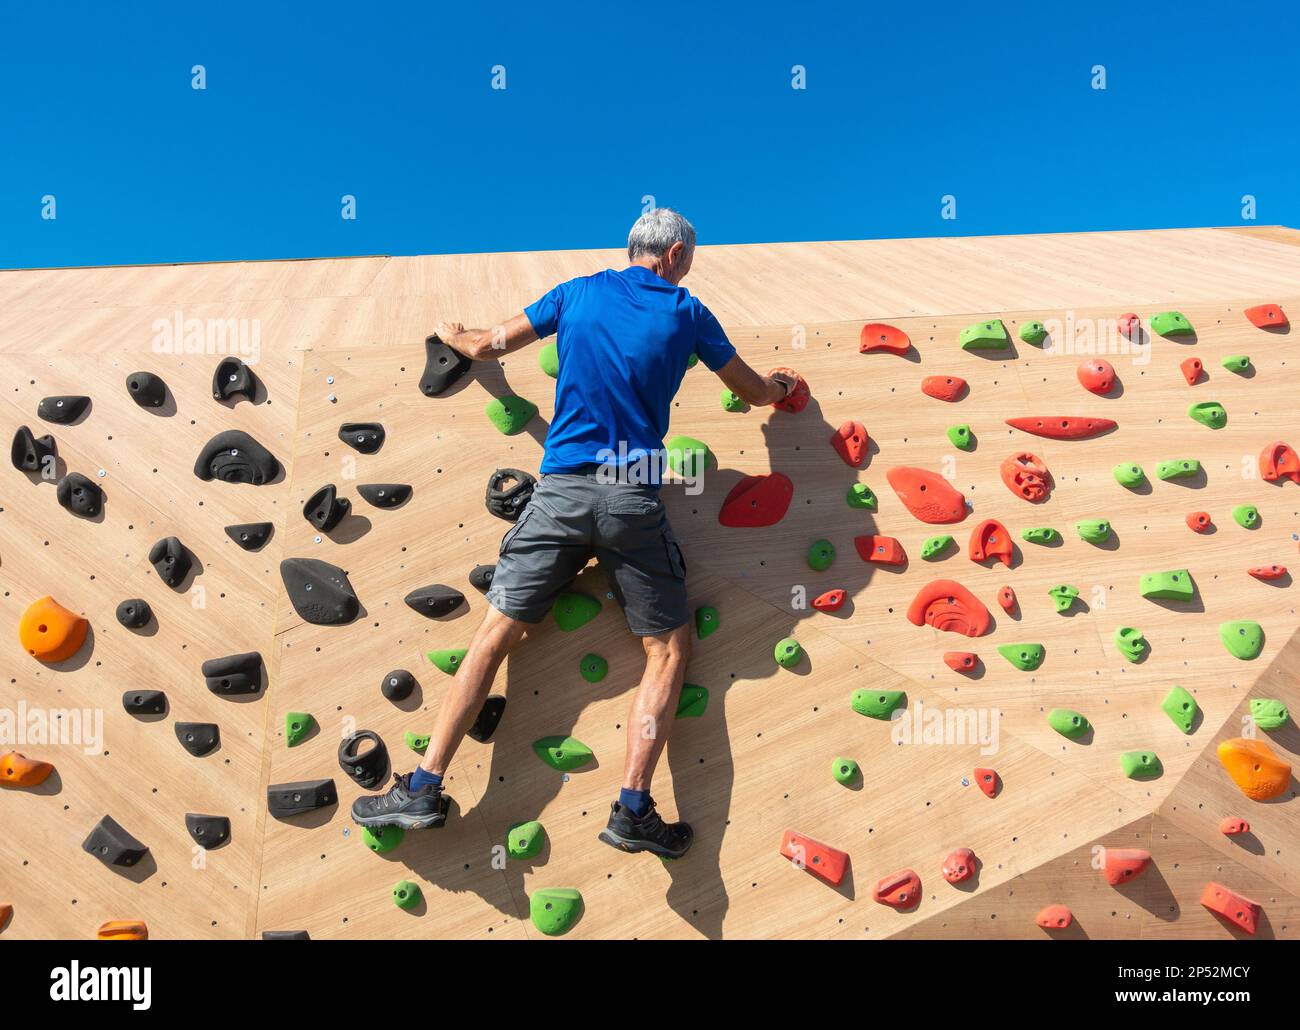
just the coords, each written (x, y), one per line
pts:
(340, 341)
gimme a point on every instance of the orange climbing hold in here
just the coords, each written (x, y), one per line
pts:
(850, 442)
(17, 770)
(898, 890)
(1121, 865)
(1230, 826)
(878, 336)
(50, 632)
(1097, 375)
(6, 913)
(1278, 460)
(1054, 917)
(1007, 598)
(884, 550)
(990, 539)
(960, 661)
(1199, 522)
(1129, 324)
(1192, 369)
(948, 606)
(927, 495)
(1062, 427)
(959, 865)
(831, 601)
(1240, 911)
(798, 399)
(1267, 316)
(1026, 476)
(988, 781)
(820, 859)
(1268, 571)
(944, 388)
(123, 930)
(757, 501)
(1254, 768)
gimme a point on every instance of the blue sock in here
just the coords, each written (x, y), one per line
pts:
(420, 778)
(636, 801)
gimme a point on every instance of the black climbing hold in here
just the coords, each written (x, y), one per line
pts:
(198, 738)
(170, 560)
(232, 379)
(235, 457)
(249, 535)
(285, 799)
(146, 389)
(442, 366)
(367, 437)
(145, 702)
(234, 674)
(507, 501)
(320, 592)
(208, 831)
(80, 495)
(31, 453)
(397, 685)
(385, 495)
(368, 768)
(488, 717)
(112, 845)
(62, 410)
(435, 601)
(134, 612)
(325, 508)
(285, 935)
(480, 576)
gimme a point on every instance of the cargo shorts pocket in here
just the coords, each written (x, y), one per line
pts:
(513, 531)
(676, 560)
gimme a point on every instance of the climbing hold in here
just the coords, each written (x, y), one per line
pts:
(799, 394)
(961, 437)
(1120, 865)
(235, 457)
(1238, 363)
(250, 535)
(80, 495)
(1140, 765)
(406, 895)
(878, 336)
(112, 845)
(831, 601)
(442, 366)
(988, 781)
(822, 860)
(525, 840)
(232, 378)
(877, 704)
(207, 831)
(368, 768)
(1231, 826)
(573, 610)
(927, 495)
(948, 606)
(901, 890)
(398, 684)
(146, 389)
(851, 443)
(234, 674)
(1025, 657)
(1267, 316)
(1040, 535)
(1243, 639)
(134, 613)
(198, 738)
(1246, 516)
(145, 702)
(732, 401)
(1174, 585)
(1033, 333)
(1026, 476)
(1192, 369)
(985, 336)
(1062, 427)
(30, 453)
(1007, 599)
(757, 501)
(480, 577)
(861, 496)
(693, 701)
(687, 456)
(960, 661)
(1209, 413)
(555, 910)
(1130, 643)
(1068, 723)
(1054, 917)
(1097, 376)
(510, 414)
(960, 865)
(325, 509)
(845, 770)
(1095, 531)
(707, 621)
(418, 742)
(1171, 323)
(593, 668)
(1129, 325)
(434, 601)
(488, 718)
(286, 799)
(285, 935)
(787, 652)
(448, 660)
(1199, 521)
(1278, 460)
(1254, 768)
(1268, 712)
(943, 388)
(1129, 474)
(1268, 571)
(1181, 708)
(548, 360)
(563, 753)
(320, 592)
(17, 770)
(297, 725)
(62, 410)
(821, 555)
(51, 633)
(122, 930)
(385, 495)
(883, 550)
(935, 546)
(1063, 597)
(508, 493)
(1181, 469)
(990, 539)
(1236, 908)
(382, 839)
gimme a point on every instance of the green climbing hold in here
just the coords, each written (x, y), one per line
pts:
(1033, 332)
(1095, 531)
(861, 496)
(548, 360)
(845, 770)
(574, 610)
(688, 456)
(563, 753)
(1068, 723)
(1268, 712)
(1063, 596)
(732, 401)
(1130, 643)
(525, 840)
(877, 704)
(1129, 474)
(1246, 516)
(1181, 469)
(1236, 363)
(382, 839)
(296, 727)
(787, 652)
(1025, 657)
(985, 336)
(1171, 323)
(593, 668)
(961, 437)
(707, 620)
(693, 701)
(1209, 413)
(449, 660)
(406, 895)
(1244, 639)
(1140, 765)
(418, 742)
(1181, 707)
(510, 414)
(821, 555)
(1040, 535)
(692, 361)
(554, 910)
(1174, 585)
(935, 546)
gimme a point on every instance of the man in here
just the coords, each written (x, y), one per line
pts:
(624, 341)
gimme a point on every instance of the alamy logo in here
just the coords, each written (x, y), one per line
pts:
(93, 983)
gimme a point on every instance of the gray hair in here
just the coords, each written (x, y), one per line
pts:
(656, 231)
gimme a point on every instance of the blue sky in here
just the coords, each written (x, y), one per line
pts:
(609, 102)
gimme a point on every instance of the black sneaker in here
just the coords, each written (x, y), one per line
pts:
(648, 833)
(402, 806)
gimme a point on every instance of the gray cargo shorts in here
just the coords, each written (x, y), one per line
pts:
(574, 516)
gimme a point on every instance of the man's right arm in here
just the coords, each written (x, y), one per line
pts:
(753, 388)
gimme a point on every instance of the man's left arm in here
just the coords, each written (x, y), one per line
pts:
(486, 344)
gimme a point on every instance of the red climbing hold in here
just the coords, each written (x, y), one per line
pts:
(820, 859)
(990, 539)
(1278, 460)
(988, 781)
(1268, 571)
(1192, 369)
(1238, 910)
(850, 443)
(959, 865)
(1199, 522)
(1027, 476)
(1062, 427)
(798, 399)
(1007, 598)
(884, 550)
(1123, 864)
(898, 890)
(878, 336)
(948, 606)
(1129, 324)
(927, 495)
(1230, 826)
(1054, 917)
(757, 501)
(960, 661)
(944, 388)
(1097, 375)
(831, 601)
(1267, 316)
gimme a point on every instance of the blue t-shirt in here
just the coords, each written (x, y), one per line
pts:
(624, 339)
